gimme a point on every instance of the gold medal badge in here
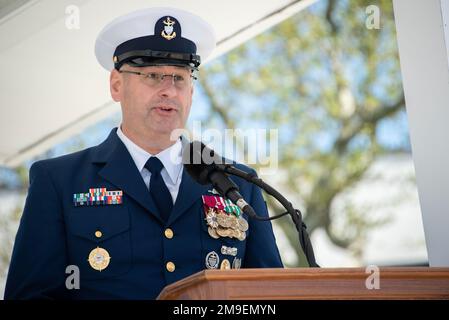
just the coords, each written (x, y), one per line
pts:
(225, 265)
(99, 259)
(222, 220)
(213, 233)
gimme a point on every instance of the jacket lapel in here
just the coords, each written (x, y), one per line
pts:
(120, 170)
(189, 192)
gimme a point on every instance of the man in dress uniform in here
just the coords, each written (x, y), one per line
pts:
(124, 213)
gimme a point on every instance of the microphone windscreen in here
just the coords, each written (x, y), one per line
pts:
(200, 161)
(193, 162)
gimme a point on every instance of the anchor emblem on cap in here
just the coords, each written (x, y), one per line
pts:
(168, 32)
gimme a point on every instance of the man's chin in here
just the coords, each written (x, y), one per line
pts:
(167, 130)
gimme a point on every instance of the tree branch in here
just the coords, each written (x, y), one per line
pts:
(329, 18)
(216, 107)
(353, 128)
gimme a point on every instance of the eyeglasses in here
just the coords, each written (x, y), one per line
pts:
(154, 79)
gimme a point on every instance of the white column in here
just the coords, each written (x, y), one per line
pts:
(423, 52)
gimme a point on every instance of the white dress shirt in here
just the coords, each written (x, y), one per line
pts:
(171, 158)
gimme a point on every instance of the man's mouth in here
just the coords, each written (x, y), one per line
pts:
(165, 109)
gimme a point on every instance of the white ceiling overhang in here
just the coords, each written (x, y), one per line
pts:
(50, 82)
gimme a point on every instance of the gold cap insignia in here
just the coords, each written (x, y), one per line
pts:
(168, 32)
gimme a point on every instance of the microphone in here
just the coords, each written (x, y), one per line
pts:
(206, 167)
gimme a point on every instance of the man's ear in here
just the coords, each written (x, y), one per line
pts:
(115, 85)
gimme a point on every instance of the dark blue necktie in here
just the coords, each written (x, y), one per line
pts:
(158, 190)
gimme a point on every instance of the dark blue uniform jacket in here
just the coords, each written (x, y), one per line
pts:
(54, 233)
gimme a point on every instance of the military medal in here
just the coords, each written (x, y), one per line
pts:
(99, 259)
(213, 233)
(224, 219)
(230, 207)
(212, 260)
(234, 222)
(98, 196)
(237, 263)
(225, 265)
(228, 251)
(211, 218)
(243, 224)
(222, 232)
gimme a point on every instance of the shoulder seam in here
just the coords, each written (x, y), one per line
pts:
(46, 172)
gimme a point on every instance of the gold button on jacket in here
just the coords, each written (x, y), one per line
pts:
(168, 233)
(170, 266)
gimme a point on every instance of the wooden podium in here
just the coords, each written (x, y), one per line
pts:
(311, 283)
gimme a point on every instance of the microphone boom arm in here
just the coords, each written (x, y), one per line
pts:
(296, 215)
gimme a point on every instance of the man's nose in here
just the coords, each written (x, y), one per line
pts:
(167, 86)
